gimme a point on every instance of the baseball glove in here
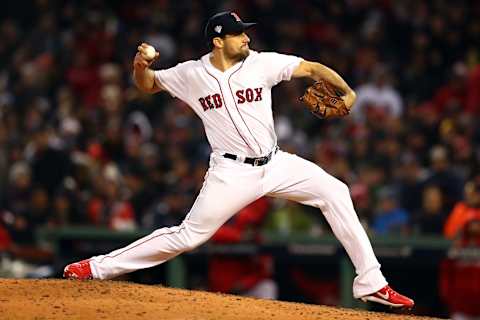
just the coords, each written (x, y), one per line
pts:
(324, 100)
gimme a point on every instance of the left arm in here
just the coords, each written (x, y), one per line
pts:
(317, 71)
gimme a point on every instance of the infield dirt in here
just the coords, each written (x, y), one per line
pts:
(67, 299)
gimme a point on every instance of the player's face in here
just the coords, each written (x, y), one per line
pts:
(236, 46)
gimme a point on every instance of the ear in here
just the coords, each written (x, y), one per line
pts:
(217, 42)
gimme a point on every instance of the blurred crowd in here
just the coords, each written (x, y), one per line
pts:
(79, 144)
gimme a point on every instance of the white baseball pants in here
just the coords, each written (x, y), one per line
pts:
(230, 186)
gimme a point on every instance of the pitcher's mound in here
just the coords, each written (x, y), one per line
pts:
(91, 300)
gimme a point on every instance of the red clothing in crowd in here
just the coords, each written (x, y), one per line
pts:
(460, 281)
(447, 95)
(319, 291)
(460, 275)
(85, 81)
(465, 94)
(5, 239)
(231, 274)
(473, 94)
(460, 286)
(458, 218)
(119, 215)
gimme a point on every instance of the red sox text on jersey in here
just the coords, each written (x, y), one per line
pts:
(215, 100)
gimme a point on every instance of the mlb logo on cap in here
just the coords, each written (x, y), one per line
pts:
(224, 23)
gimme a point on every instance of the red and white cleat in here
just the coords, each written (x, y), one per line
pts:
(79, 270)
(389, 297)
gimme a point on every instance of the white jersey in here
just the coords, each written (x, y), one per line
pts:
(235, 105)
(236, 109)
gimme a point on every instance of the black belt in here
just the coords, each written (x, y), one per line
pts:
(259, 161)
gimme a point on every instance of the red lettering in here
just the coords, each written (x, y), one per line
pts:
(217, 100)
(241, 98)
(203, 103)
(209, 102)
(258, 92)
(249, 94)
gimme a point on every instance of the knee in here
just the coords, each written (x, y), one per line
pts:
(193, 239)
(341, 189)
(345, 189)
(194, 243)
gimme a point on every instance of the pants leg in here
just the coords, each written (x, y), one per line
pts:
(222, 195)
(297, 179)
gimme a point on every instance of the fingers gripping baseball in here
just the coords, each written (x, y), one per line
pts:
(324, 101)
(145, 56)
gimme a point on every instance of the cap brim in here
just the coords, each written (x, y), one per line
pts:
(248, 25)
(240, 27)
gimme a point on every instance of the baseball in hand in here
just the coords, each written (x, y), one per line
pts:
(149, 52)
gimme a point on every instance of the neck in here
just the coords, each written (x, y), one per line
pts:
(220, 61)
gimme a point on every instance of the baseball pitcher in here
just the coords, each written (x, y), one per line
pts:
(230, 90)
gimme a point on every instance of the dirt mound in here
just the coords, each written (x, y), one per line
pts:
(67, 299)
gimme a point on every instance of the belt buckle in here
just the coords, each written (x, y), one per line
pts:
(256, 162)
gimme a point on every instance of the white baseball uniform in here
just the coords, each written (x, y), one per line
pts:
(236, 109)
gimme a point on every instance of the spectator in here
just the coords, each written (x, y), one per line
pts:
(290, 218)
(362, 200)
(410, 182)
(4, 152)
(65, 212)
(451, 97)
(5, 240)
(464, 211)
(50, 165)
(140, 194)
(473, 96)
(389, 217)
(168, 210)
(39, 213)
(378, 99)
(19, 188)
(460, 274)
(444, 177)
(109, 207)
(431, 218)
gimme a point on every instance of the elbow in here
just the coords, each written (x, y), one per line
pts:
(136, 83)
(145, 89)
(315, 71)
(144, 83)
(354, 96)
(138, 86)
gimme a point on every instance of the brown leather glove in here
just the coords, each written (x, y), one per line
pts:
(324, 100)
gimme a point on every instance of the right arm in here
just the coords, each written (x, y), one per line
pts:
(143, 76)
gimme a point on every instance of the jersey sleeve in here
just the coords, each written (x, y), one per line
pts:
(279, 67)
(174, 80)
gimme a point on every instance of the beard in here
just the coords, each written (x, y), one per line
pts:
(240, 55)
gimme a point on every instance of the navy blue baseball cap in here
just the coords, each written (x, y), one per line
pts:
(224, 23)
